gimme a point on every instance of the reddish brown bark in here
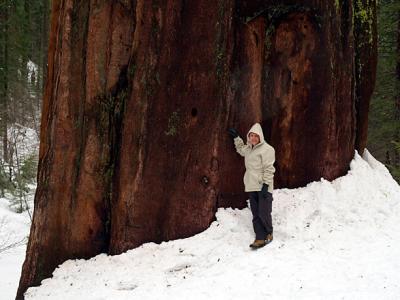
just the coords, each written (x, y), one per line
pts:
(309, 97)
(72, 198)
(140, 94)
(168, 172)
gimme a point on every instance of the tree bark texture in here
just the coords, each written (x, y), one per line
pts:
(138, 100)
(366, 54)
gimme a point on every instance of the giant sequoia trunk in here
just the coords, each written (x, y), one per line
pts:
(138, 99)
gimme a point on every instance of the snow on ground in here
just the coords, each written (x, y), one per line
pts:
(14, 230)
(14, 227)
(332, 240)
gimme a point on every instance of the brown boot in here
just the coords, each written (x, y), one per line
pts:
(269, 238)
(258, 244)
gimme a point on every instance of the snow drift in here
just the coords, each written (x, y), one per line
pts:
(335, 240)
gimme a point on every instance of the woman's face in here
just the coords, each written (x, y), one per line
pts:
(254, 138)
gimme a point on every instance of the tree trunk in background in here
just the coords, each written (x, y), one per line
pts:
(4, 78)
(44, 36)
(366, 53)
(138, 100)
(397, 104)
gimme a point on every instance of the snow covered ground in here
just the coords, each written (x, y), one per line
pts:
(332, 240)
(14, 227)
(14, 230)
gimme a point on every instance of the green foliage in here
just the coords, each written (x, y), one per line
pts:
(173, 123)
(27, 171)
(394, 167)
(18, 185)
(384, 122)
(363, 18)
(23, 58)
(337, 5)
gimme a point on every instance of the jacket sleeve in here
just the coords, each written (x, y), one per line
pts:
(268, 159)
(241, 148)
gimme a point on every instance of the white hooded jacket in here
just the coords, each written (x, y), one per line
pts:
(259, 161)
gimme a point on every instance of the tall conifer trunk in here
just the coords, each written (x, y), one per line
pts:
(138, 100)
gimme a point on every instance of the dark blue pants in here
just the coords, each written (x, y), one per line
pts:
(261, 209)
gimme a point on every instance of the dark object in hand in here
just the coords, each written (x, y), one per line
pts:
(233, 132)
(264, 190)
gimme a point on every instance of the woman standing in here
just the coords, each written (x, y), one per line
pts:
(259, 158)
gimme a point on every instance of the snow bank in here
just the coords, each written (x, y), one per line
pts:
(332, 240)
(14, 231)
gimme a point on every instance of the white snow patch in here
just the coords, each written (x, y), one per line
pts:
(332, 240)
(14, 230)
(33, 75)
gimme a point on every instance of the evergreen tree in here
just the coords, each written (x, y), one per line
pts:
(384, 120)
(23, 57)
